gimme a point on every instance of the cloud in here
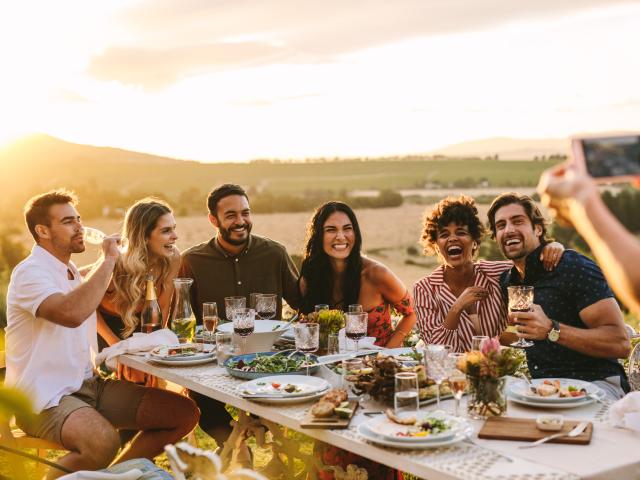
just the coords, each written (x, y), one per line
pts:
(178, 39)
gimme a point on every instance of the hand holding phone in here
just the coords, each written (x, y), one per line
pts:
(610, 159)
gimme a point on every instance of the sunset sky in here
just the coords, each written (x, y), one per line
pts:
(242, 79)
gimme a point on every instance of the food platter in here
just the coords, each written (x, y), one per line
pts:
(182, 354)
(369, 435)
(240, 365)
(440, 427)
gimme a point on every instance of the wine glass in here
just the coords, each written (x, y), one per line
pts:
(356, 326)
(266, 305)
(320, 307)
(209, 320)
(457, 380)
(437, 366)
(355, 308)
(243, 324)
(233, 303)
(307, 337)
(520, 300)
(96, 237)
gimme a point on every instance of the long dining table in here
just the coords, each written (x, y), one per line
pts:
(612, 453)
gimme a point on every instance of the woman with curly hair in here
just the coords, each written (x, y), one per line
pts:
(335, 273)
(462, 297)
(149, 228)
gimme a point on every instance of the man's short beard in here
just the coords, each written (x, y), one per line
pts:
(226, 235)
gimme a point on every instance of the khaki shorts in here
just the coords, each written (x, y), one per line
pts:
(115, 400)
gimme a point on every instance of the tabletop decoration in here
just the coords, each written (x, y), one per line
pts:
(486, 371)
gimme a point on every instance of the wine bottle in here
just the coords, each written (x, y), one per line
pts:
(151, 316)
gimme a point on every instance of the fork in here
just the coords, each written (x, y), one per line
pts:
(577, 430)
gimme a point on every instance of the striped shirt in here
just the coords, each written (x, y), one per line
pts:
(433, 299)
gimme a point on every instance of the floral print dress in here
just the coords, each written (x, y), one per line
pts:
(380, 325)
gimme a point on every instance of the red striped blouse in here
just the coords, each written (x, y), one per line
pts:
(433, 298)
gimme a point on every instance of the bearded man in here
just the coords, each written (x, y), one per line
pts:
(575, 324)
(234, 263)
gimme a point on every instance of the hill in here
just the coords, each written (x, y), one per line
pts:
(507, 148)
(114, 177)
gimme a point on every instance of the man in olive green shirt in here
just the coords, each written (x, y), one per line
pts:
(234, 263)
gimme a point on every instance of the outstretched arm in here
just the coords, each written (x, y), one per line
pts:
(574, 198)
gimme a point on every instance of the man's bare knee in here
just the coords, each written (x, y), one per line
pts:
(92, 436)
(161, 409)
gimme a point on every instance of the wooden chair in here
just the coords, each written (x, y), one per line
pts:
(12, 437)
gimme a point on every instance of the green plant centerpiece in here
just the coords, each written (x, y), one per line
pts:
(486, 371)
(330, 321)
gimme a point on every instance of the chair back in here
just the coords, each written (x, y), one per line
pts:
(197, 464)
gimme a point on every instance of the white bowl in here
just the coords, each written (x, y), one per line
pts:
(262, 338)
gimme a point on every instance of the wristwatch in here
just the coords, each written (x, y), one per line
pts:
(554, 333)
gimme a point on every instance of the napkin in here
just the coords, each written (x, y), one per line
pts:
(138, 342)
(625, 413)
(89, 475)
(347, 345)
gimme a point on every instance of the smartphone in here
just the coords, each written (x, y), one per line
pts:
(611, 159)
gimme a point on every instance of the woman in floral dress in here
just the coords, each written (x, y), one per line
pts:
(335, 273)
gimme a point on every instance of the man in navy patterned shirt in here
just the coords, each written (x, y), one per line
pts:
(576, 324)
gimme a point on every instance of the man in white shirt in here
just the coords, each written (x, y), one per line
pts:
(51, 343)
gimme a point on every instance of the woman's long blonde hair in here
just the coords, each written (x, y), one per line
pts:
(129, 275)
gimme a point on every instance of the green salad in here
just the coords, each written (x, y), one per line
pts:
(269, 364)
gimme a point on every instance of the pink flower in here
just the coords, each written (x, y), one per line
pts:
(490, 345)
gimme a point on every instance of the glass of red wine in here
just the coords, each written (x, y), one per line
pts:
(356, 326)
(307, 337)
(243, 324)
(266, 305)
(520, 300)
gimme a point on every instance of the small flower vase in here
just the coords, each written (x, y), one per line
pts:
(487, 397)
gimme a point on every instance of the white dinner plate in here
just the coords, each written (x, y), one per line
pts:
(528, 403)
(261, 390)
(389, 430)
(370, 436)
(161, 352)
(520, 391)
(182, 363)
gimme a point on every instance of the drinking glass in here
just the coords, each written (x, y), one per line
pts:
(457, 379)
(224, 346)
(320, 307)
(233, 303)
(351, 367)
(355, 308)
(333, 344)
(243, 324)
(266, 305)
(437, 366)
(253, 300)
(96, 237)
(210, 320)
(405, 397)
(520, 300)
(356, 326)
(307, 337)
(476, 341)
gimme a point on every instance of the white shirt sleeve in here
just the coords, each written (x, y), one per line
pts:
(29, 287)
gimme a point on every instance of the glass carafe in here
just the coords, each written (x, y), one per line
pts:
(183, 321)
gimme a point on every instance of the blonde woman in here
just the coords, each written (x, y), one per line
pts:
(149, 228)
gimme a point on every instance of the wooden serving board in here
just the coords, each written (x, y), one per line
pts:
(525, 429)
(309, 421)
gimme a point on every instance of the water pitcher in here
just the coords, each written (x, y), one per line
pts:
(183, 321)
